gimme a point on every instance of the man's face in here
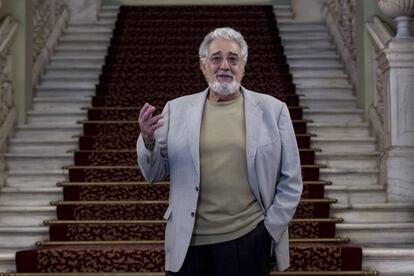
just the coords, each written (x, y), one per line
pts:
(224, 66)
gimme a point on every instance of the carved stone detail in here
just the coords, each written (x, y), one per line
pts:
(380, 67)
(344, 14)
(49, 19)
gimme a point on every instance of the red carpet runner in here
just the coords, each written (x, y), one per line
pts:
(110, 221)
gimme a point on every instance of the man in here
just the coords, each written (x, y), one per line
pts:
(234, 168)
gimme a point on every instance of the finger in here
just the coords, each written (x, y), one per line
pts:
(155, 119)
(148, 113)
(156, 126)
(143, 109)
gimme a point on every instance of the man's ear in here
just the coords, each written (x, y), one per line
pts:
(203, 67)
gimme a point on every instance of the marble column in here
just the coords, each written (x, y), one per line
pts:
(399, 124)
(399, 104)
(83, 11)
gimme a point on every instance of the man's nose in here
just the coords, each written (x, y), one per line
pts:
(224, 64)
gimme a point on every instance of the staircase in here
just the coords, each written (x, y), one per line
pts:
(384, 229)
(39, 149)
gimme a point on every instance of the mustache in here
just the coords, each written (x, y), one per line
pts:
(224, 73)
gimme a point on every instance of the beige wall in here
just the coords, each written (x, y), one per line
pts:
(21, 10)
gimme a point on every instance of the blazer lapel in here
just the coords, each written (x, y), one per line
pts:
(194, 117)
(253, 117)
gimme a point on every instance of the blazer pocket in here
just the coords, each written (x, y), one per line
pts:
(167, 213)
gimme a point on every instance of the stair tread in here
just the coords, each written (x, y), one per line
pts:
(355, 188)
(31, 189)
(373, 226)
(24, 229)
(344, 139)
(348, 170)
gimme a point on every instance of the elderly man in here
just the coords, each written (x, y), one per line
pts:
(234, 168)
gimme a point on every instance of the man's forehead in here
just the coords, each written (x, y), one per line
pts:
(222, 46)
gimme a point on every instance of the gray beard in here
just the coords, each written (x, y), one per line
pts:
(224, 89)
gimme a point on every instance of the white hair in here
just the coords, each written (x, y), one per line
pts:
(226, 33)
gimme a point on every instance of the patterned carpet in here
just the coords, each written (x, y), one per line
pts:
(109, 220)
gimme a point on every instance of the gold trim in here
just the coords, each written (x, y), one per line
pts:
(54, 222)
(132, 183)
(66, 184)
(120, 202)
(136, 167)
(276, 273)
(145, 242)
(136, 122)
(110, 202)
(327, 240)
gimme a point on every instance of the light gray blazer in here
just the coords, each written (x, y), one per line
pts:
(273, 164)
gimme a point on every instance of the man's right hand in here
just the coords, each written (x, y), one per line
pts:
(149, 123)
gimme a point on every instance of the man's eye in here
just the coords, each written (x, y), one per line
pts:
(233, 60)
(216, 59)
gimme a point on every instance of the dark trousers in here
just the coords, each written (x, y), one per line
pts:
(248, 255)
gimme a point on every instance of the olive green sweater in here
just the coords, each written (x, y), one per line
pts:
(226, 209)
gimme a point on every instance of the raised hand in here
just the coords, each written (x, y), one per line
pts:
(149, 123)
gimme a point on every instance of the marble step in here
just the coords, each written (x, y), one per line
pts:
(390, 261)
(293, 26)
(7, 262)
(86, 37)
(322, 82)
(350, 177)
(63, 77)
(309, 51)
(77, 62)
(16, 237)
(315, 66)
(49, 146)
(339, 130)
(318, 44)
(318, 74)
(333, 115)
(281, 15)
(67, 74)
(77, 44)
(326, 91)
(48, 131)
(351, 194)
(56, 116)
(92, 49)
(60, 101)
(100, 23)
(72, 29)
(81, 96)
(75, 67)
(355, 159)
(369, 234)
(300, 63)
(26, 215)
(53, 86)
(109, 8)
(70, 51)
(344, 144)
(34, 161)
(374, 212)
(75, 57)
(289, 36)
(36, 178)
(320, 102)
(330, 55)
(34, 196)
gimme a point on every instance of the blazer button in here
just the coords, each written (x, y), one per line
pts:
(192, 214)
(196, 188)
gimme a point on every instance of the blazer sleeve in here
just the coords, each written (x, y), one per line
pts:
(289, 185)
(154, 164)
